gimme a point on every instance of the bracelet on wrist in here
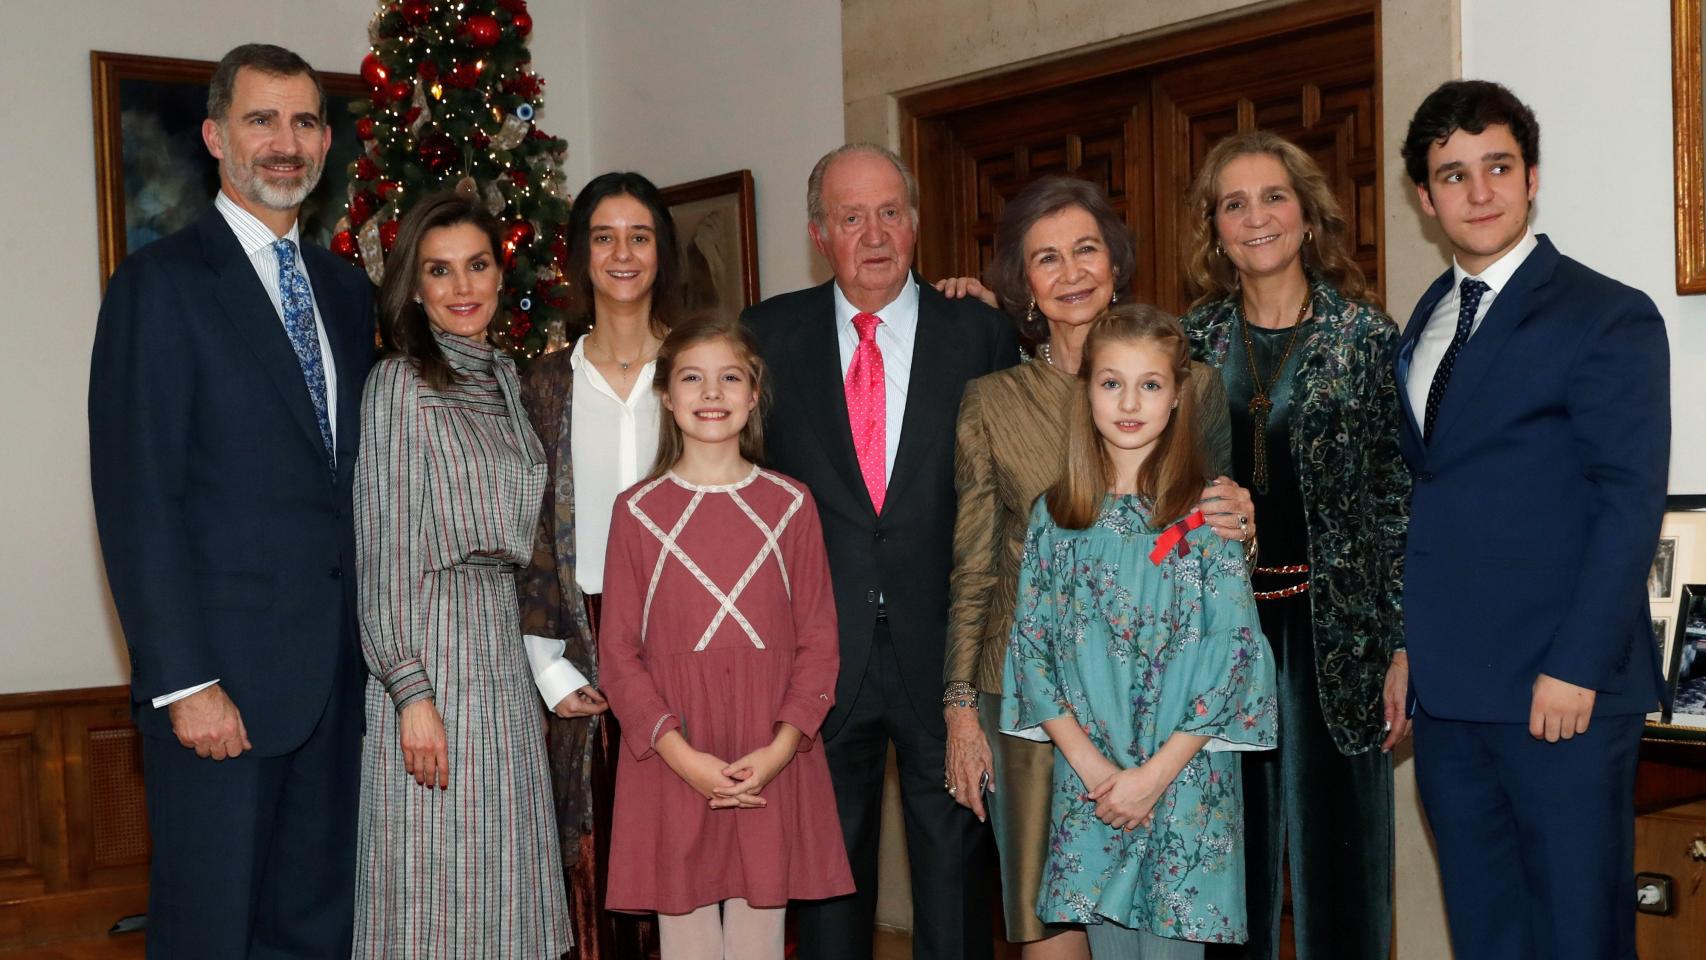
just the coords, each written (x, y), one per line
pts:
(960, 693)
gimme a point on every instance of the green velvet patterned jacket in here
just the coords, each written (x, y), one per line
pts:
(1356, 495)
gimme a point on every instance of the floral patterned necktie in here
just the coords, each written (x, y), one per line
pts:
(298, 304)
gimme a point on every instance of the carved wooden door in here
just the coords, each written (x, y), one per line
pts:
(1138, 122)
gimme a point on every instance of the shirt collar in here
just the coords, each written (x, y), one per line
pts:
(900, 315)
(251, 232)
(1499, 272)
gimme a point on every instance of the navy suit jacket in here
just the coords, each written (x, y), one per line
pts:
(228, 542)
(904, 555)
(1537, 505)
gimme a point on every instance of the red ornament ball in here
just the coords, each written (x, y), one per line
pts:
(519, 325)
(373, 71)
(464, 74)
(428, 70)
(525, 85)
(519, 178)
(385, 188)
(401, 90)
(364, 128)
(343, 244)
(522, 22)
(388, 234)
(514, 6)
(417, 12)
(483, 30)
(365, 168)
(361, 207)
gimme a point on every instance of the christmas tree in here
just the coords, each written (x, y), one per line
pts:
(453, 103)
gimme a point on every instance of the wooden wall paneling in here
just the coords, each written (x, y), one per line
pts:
(1662, 843)
(73, 837)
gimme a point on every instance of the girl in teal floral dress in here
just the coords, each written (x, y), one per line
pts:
(1137, 650)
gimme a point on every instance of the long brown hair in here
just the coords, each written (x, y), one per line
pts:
(1172, 475)
(1325, 254)
(697, 329)
(403, 325)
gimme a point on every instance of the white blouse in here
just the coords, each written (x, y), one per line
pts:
(612, 442)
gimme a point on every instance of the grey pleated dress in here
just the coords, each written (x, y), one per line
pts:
(447, 494)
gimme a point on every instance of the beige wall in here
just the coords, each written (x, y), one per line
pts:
(680, 91)
(56, 626)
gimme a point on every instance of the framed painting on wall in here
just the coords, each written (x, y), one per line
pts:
(717, 234)
(153, 174)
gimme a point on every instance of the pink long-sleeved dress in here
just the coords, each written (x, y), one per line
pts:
(719, 622)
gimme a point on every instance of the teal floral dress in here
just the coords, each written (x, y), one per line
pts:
(1138, 649)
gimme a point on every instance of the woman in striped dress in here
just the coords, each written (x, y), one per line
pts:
(457, 855)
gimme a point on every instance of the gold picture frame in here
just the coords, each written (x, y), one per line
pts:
(1690, 144)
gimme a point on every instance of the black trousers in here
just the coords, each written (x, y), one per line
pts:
(254, 857)
(947, 848)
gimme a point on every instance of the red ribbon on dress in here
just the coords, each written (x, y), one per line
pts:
(1175, 536)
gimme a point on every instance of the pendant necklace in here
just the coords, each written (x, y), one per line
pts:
(1260, 406)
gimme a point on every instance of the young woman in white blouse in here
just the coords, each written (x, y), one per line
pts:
(595, 411)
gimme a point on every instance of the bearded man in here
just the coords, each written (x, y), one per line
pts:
(224, 390)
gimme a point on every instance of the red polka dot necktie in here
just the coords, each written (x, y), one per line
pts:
(867, 408)
(1468, 299)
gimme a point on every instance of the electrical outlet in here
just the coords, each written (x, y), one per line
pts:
(1652, 893)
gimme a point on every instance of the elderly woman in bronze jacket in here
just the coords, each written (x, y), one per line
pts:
(1061, 254)
(1287, 318)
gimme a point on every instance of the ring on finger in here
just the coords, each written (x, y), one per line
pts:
(953, 790)
(1243, 522)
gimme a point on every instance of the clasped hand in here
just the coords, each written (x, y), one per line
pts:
(1125, 800)
(730, 785)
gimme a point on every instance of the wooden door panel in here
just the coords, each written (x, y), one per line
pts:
(1141, 134)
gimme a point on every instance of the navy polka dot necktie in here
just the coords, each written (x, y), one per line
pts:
(1468, 299)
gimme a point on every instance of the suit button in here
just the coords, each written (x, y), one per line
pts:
(870, 596)
(337, 572)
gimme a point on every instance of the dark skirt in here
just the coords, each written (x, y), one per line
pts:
(599, 933)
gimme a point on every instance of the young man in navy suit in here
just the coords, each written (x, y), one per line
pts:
(224, 392)
(1538, 431)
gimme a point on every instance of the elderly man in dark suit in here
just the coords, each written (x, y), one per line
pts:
(867, 371)
(228, 366)
(1537, 395)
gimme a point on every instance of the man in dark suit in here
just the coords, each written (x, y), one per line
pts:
(223, 419)
(897, 354)
(1538, 432)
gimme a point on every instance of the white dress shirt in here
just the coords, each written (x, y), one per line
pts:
(895, 338)
(257, 239)
(1442, 323)
(613, 441)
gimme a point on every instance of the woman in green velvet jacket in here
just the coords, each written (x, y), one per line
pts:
(1286, 317)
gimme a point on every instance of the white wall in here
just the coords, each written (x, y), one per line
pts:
(1598, 76)
(680, 91)
(56, 625)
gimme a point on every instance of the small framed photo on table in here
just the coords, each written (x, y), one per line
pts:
(1685, 667)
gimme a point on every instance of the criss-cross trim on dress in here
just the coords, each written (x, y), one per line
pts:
(728, 603)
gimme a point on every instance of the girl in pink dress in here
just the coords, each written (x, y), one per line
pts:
(718, 652)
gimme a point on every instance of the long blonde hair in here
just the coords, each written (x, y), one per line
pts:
(1172, 476)
(1327, 251)
(703, 328)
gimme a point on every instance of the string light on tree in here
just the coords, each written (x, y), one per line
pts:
(453, 102)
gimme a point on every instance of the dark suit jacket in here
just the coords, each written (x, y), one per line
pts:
(1536, 508)
(905, 555)
(228, 544)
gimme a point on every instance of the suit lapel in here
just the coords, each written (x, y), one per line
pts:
(1510, 308)
(1406, 352)
(932, 394)
(826, 395)
(256, 322)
